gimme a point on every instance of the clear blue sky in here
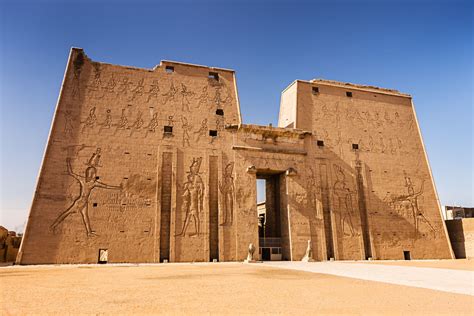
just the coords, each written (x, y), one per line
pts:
(423, 48)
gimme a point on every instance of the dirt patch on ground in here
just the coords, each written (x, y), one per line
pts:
(223, 288)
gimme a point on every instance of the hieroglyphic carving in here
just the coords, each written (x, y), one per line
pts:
(68, 123)
(110, 86)
(185, 95)
(203, 97)
(153, 91)
(408, 205)
(227, 190)
(95, 87)
(186, 129)
(90, 121)
(124, 86)
(202, 131)
(170, 95)
(220, 125)
(193, 198)
(151, 127)
(221, 96)
(122, 124)
(137, 124)
(87, 184)
(343, 198)
(138, 90)
(107, 123)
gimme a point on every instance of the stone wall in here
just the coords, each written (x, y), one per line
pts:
(461, 234)
(155, 164)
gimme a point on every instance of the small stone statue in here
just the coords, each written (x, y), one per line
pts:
(250, 253)
(308, 256)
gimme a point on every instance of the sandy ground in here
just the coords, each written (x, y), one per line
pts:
(222, 288)
(458, 264)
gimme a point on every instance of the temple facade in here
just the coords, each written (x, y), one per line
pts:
(154, 165)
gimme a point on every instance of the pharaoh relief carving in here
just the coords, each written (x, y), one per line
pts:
(186, 129)
(343, 202)
(193, 198)
(226, 186)
(185, 96)
(408, 205)
(87, 183)
(68, 123)
(170, 95)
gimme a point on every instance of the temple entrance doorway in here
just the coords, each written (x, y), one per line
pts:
(269, 215)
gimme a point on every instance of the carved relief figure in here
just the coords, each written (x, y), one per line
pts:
(90, 121)
(186, 128)
(152, 125)
(94, 160)
(107, 123)
(408, 205)
(219, 99)
(124, 86)
(153, 91)
(202, 131)
(96, 86)
(193, 198)
(204, 97)
(68, 127)
(122, 124)
(170, 95)
(343, 196)
(110, 86)
(220, 124)
(185, 94)
(137, 124)
(137, 90)
(227, 189)
(87, 184)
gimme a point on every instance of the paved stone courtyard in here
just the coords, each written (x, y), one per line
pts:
(236, 288)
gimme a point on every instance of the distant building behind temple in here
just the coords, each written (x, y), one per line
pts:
(458, 212)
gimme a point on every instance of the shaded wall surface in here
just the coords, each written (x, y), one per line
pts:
(461, 234)
(155, 164)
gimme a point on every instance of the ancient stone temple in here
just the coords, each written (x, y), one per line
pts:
(149, 165)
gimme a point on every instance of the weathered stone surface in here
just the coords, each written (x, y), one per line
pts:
(155, 164)
(461, 235)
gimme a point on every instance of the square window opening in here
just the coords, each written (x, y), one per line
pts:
(169, 69)
(220, 112)
(213, 133)
(168, 129)
(349, 94)
(315, 90)
(355, 146)
(320, 143)
(213, 75)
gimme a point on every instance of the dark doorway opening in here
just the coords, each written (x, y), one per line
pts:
(269, 214)
(406, 255)
(266, 254)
